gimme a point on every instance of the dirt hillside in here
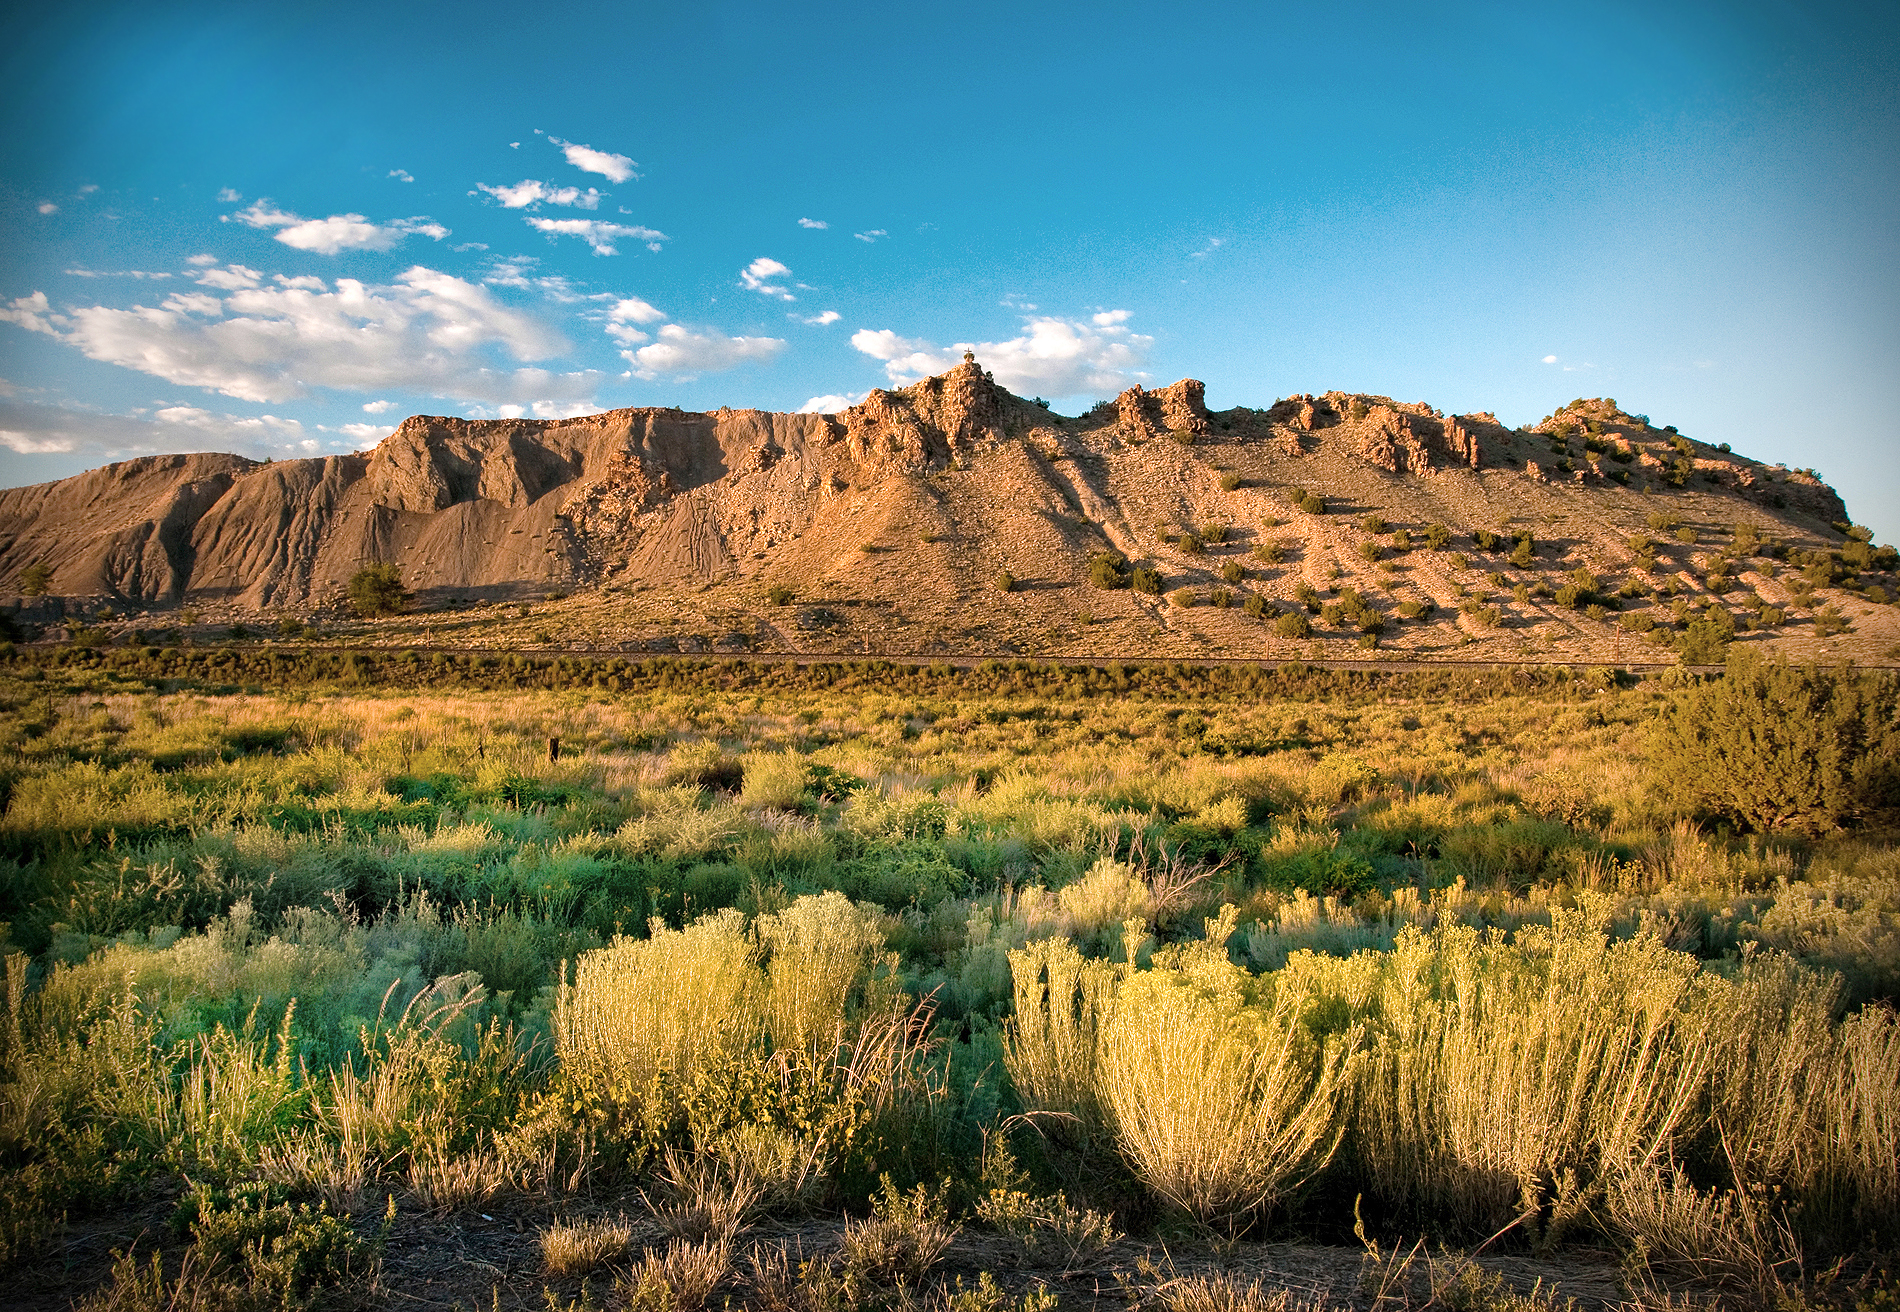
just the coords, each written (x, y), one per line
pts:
(954, 518)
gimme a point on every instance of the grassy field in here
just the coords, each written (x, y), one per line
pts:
(673, 959)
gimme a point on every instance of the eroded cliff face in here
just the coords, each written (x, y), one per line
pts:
(673, 499)
(486, 505)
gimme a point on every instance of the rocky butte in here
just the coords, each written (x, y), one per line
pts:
(951, 517)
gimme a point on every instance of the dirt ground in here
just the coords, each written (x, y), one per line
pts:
(490, 1259)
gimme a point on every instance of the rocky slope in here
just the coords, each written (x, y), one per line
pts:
(889, 526)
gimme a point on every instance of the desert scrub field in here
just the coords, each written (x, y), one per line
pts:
(678, 953)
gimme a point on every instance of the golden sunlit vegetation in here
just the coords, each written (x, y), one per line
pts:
(1043, 956)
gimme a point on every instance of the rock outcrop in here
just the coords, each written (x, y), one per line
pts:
(1181, 408)
(671, 499)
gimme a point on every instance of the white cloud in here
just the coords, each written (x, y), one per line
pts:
(427, 332)
(195, 303)
(47, 207)
(230, 428)
(1550, 359)
(231, 278)
(872, 235)
(228, 196)
(1213, 244)
(813, 223)
(339, 232)
(547, 410)
(635, 310)
(529, 192)
(625, 314)
(460, 247)
(115, 273)
(364, 435)
(759, 276)
(820, 320)
(43, 429)
(378, 407)
(32, 313)
(681, 350)
(615, 168)
(601, 236)
(830, 404)
(511, 271)
(199, 261)
(1053, 357)
(401, 173)
(87, 190)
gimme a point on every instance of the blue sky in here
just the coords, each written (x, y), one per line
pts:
(279, 229)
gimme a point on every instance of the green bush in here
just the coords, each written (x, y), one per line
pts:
(1230, 482)
(780, 595)
(377, 590)
(1293, 624)
(1706, 640)
(1771, 746)
(1232, 572)
(1003, 581)
(1437, 537)
(1146, 580)
(1105, 570)
(35, 579)
(1828, 621)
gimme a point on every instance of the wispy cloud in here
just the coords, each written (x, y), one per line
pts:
(761, 276)
(337, 233)
(615, 168)
(820, 320)
(529, 193)
(114, 273)
(831, 403)
(681, 351)
(47, 429)
(1052, 357)
(426, 332)
(402, 174)
(229, 196)
(598, 234)
(872, 235)
(1213, 244)
(813, 223)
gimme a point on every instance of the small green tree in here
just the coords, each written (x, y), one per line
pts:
(1146, 580)
(1105, 570)
(1776, 747)
(1706, 640)
(35, 579)
(377, 590)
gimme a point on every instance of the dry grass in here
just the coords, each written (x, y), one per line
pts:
(576, 1247)
(681, 1278)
